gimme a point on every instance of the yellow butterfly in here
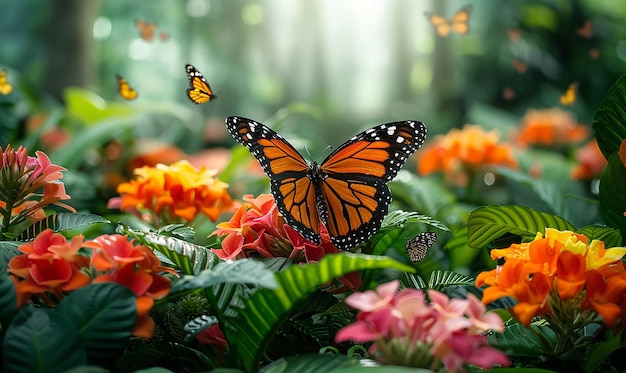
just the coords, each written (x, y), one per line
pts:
(199, 90)
(125, 90)
(569, 97)
(5, 87)
(458, 23)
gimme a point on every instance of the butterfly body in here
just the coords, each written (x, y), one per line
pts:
(347, 192)
(125, 90)
(199, 90)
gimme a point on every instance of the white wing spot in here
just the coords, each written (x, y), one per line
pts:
(391, 130)
(399, 140)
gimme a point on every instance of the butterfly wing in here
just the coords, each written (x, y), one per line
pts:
(146, 29)
(417, 247)
(125, 90)
(354, 197)
(441, 25)
(291, 185)
(569, 97)
(199, 91)
(5, 87)
(460, 21)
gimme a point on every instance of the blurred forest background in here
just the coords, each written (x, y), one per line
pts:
(319, 70)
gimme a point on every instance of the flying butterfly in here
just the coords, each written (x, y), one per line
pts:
(459, 22)
(417, 247)
(569, 97)
(347, 192)
(146, 29)
(5, 87)
(125, 90)
(199, 90)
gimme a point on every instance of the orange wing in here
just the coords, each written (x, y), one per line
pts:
(199, 91)
(5, 87)
(459, 22)
(146, 29)
(354, 194)
(569, 97)
(293, 190)
(125, 90)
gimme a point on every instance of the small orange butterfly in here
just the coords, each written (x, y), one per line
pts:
(164, 36)
(514, 34)
(569, 97)
(586, 31)
(146, 29)
(520, 66)
(5, 87)
(199, 91)
(125, 90)
(458, 23)
(594, 53)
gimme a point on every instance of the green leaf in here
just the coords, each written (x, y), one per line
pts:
(41, 340)
(415, 281)
(61, 222)
(310, 363)
(244, 271)
(609, 126)
(612, 195)
(104, 315)
(251, 332)
(180, 231)
(189, 258)
(197, 326)
(441, 279)
(8, 300)
(609, 236)
(516, 340)
(601, 352)
(488, 223)
(150, 353)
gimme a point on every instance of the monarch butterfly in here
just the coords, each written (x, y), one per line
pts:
(417, 247)
(125, 90)
(569, 97)
(458, 23)
(146, 29)
(348, 191)
(5, 87)
(199, 90)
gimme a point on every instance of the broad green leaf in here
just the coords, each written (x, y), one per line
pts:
(441, 279)
(180, 231)
(612, 195)
(148, 354)
(245, 271)
(8, 300)
(310, 363)
(602, 351)
(41, 340)
(253, 330)
(8, 249)
(189, 258)
(488, 223)
(611, 237)
(104, 315)
(59, 223)
(516, 340)
(609, 126)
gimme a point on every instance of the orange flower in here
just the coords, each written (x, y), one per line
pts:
(561, 277)
(136, 267)
(173, 194)
(50, 264)
(591, 162)
(463, 150)
(550, 127)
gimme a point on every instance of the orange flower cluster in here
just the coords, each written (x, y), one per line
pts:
(562, 278)
(463, 150)
(51, 267)
(550, 127)
(118, 260)
(21, 179)
(173, 194)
